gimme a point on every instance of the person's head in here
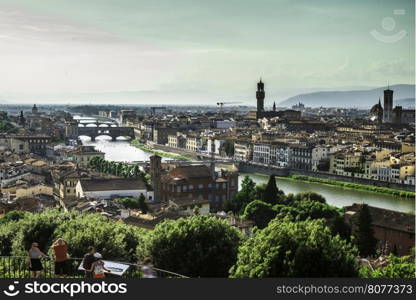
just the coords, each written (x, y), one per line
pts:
(91, 250)
(147, 261)
(35, 245)
(60, 242)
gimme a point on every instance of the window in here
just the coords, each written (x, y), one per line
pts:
(200, 186)
(178, 189)
(191, 187)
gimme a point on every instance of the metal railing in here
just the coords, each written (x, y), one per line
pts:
(18, 267)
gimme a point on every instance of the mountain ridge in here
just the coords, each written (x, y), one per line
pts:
(403, 95)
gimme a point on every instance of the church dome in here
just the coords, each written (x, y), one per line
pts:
(376, 109)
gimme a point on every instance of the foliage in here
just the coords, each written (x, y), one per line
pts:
(199, 246)
(260, 212)
(7, 127)
(228, 148)
(271, 193)
(397, 267)
(301, 249)
(130, 203)
(364, 233)
(356, 186)
(142, 204)
(117, 168)
(36, 228)
(13, 215)
(115, 240)
(310, 196)
(243, 197)
(137, 144)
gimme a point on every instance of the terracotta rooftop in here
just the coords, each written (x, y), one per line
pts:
(114, 184)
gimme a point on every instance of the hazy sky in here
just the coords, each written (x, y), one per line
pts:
(218, 48)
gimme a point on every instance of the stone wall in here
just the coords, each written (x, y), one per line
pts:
(355, 180)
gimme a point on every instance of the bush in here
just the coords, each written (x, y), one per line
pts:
(261, 213)
(302, 249)
(36, 228)
(398, 267)
(114, 240)
(198, 246)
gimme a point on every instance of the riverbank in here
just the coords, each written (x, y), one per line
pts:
(353, 186)
(135, 143)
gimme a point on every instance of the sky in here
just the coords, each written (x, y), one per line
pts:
(198, 51)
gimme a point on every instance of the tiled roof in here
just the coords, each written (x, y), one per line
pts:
(115, 184)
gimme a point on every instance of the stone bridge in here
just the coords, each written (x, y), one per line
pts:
(73, 131)
(114, 132)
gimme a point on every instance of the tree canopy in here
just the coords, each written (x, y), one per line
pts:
(397, 267)
(364, 233)
(301, 249)
(199, 246)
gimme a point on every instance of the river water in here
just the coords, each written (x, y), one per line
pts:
(121, 150)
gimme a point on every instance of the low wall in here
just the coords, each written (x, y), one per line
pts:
(182, 152)
(267, 170)
(365, 181)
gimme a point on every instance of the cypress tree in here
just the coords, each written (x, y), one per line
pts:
(366, 242)
(270, 194)
(142, 204)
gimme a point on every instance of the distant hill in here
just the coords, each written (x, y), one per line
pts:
(404, 95)
(408, 102)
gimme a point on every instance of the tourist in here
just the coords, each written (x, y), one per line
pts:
(35, 264)
(60, 248)
(147, 268)
(88, 260)
(97, 268)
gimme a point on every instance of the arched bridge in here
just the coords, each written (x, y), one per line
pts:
(114, 132)
(88, 122)
(73, 131)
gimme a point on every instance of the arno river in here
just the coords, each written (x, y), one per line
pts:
(122, 151)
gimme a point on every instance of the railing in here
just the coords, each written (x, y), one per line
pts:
(18, 267)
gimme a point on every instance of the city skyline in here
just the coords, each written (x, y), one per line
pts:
(70, 51)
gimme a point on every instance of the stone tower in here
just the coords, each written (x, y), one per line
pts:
(388, 106)
(155, 173)
(260, 95)
(71, 129)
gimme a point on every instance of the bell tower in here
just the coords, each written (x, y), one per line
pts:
(260, 96)
(155, 173)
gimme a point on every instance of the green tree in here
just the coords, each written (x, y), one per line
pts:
(309, 196)
(142, 204)
(364, 234)
(397, 267)
(247, 194)
(199, 246)
(7, 127)
(130, 203)
(271, 193)
(295, 249)
(261, 213)
(114, 240)
(228, 148)
(13, 215)
(36, 228)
